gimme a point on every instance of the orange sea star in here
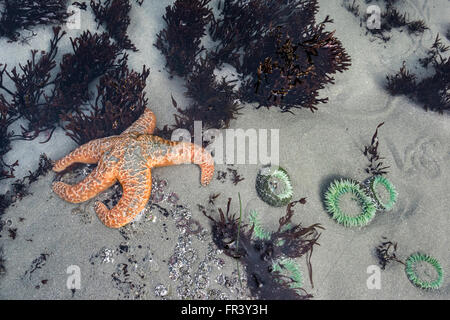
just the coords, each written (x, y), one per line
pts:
(128, 158)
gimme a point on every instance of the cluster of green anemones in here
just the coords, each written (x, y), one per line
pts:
(273, 186)
(414, 278)
(332, 198)
(292, 269)
(286, 266)
(258, 231)
(380, 180)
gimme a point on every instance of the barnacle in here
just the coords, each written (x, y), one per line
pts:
(413, 276)
(332, 198)
(380, 180)
(273, 186)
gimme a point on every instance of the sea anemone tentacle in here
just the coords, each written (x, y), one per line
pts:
(258, 231)
(332, 198)
(289, 268)
(274, 186)
(372, 190)
(415, 279)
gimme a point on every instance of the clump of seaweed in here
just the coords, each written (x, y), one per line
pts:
(18, 15)
(93, 55)
(390, 18)
(403, 82)
(114, 14)
(7, 116)
(417, 27)
(289, 240)
(235, 176)
(180, 40)
(375, 166)
(80, 5)
(283, 53)
(31, 85)
(433, 92)
(353, 8)
(434, 53)
(387, 252)
(20, 187)
(27, 99)
(215, 102)
(120, 101)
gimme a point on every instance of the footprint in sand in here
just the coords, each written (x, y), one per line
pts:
(425, 157)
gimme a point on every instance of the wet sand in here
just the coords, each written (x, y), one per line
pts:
(156, 258)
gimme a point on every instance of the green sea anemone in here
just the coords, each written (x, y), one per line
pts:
(258, 231)
(332, 198)
(380, 180)
(411, 271)
(289, 268)
(273, 186)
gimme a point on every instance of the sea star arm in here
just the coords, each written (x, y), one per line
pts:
(90, 152)
(137, 186)
(144, 125)
(100, 179)
(182, 153)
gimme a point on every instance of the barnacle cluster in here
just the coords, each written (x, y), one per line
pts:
(274, 186)
(415, 278)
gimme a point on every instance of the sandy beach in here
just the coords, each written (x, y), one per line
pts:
(156, 257)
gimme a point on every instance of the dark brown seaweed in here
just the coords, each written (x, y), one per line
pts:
(180, 41)
(120, 101)
(375, 166)
(18, 15)
(114, 15)
(386, 252)
(290, 240)
(287, 57)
